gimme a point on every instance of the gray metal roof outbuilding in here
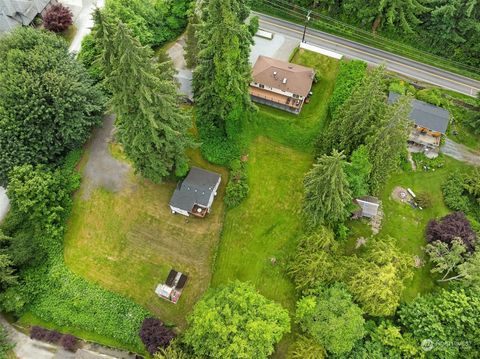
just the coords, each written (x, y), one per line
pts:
(426, 115)
(196, 188)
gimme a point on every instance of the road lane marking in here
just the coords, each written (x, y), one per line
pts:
(375, 56)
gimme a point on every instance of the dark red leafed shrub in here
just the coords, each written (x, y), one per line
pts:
(155, 335)
(50, 336)
(57, 18)
(450, 227)
(69, 342)
(53, 336)
(38, 333)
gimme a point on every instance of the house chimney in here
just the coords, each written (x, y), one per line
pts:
(285, 80)
(275, 74)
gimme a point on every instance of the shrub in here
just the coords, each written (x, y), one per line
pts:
(433, 96)
(350, 74)
(237, 188)
(452, 226)
(57, 18)
(424, 199)
(45, 335)
(38, 333)
(397, 87)
(453, 194)
(69, 342)
(155, 335)
(428, 163)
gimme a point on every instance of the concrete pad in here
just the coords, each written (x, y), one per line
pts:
(84, 23)
(4, 203)
(280, 47)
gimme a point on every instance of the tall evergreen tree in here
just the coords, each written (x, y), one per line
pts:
(223, 74)
(327, 194)
(356, 119)
(151, 126)
(404, 13)
(386, 145)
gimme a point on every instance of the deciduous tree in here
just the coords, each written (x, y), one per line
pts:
(155, 335)
(377, 279)
(235, 321)
(47, 102)
(451, 227)
(450, 318)
(358, 172)
(315, 259)
(57, 18)
(331, 318)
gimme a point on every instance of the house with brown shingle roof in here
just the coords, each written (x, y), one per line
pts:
(281, 84)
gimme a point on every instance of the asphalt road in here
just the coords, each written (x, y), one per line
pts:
(401, 65)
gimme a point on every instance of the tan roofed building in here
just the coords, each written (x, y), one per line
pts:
(281, 84)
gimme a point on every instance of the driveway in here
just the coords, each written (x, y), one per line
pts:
(280, 47)
(102, 170)
(184, 75)
(84, 23)
(460, 152)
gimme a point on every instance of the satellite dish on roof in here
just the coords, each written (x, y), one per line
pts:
(199, 210)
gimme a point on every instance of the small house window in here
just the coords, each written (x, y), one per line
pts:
(261, 86)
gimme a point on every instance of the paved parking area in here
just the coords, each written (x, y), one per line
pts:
(280, 47)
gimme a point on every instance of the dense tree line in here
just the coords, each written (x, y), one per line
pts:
(448, 28)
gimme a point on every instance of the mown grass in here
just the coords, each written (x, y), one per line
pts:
(129, 240)
(407, 224)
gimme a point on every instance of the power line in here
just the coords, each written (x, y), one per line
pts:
(299, 13)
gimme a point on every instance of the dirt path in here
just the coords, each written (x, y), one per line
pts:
(102, 170)
(460, 152)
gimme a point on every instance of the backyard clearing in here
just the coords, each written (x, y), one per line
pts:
(127, 240)
(407, 224)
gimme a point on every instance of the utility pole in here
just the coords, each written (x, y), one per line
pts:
(306, 22)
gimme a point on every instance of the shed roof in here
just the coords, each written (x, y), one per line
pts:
(369, 205)
(196, 188)
(298, 78)
(426, 115)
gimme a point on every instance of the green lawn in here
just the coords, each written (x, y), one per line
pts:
(268, 223)
(407, 224)
(129, 240)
